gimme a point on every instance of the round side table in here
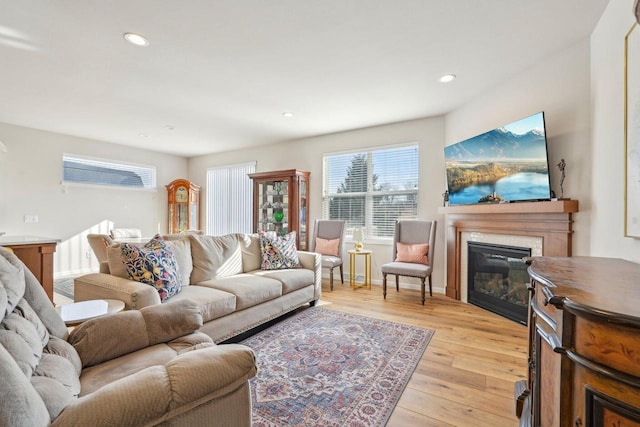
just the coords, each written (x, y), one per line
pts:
(367, 268)
(78, 312)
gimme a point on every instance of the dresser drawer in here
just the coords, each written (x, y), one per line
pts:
(543, 308)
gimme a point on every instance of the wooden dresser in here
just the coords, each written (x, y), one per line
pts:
(584, 344)
(37, 255)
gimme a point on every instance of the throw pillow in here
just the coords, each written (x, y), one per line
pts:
(278, 252)
(416, 253)
(215, 257)
(153, 264)
(327, 246)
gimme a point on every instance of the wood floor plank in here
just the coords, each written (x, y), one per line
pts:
(403, 417)
(466, 376)
(457, 414)
(460, 393)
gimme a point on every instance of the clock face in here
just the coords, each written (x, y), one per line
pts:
(182, 196)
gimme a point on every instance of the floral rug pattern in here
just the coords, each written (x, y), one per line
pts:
(327, 368)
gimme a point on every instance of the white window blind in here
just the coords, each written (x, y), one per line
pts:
(230, 199)
(371, 189)
(87, 170)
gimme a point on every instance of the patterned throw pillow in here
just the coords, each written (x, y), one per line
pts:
(153, 264)
(327, 246)
(416, 253)
(278, 252)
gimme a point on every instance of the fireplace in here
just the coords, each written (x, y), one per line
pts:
(497, 279)
(549, 226)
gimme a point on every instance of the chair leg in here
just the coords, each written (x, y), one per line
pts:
(341, 275)
(397, 284)
(422, 289)
(331, 278)
(384, 285)
(430, 288)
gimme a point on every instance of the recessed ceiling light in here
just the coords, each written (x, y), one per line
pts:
(143, 135)
(169, 127)
(287, 114)
(136, 39)
(447, 78)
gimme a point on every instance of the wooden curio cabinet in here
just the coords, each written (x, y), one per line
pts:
(183, 206)
(281, 203)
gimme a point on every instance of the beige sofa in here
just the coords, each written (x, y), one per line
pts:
(136, 368)
(223, 275)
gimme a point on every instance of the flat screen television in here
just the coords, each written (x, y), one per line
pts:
(507, 164)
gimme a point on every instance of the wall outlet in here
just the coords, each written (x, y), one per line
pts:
(31, 218)
(87, 254)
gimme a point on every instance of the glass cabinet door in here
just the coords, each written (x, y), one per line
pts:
(303, 215)
(273, 212)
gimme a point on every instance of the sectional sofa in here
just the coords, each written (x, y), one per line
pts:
(223, 275)
(165, 373)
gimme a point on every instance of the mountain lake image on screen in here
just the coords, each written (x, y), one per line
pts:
(507, 164)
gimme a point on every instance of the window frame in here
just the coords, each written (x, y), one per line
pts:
(151, 172)
(371, 192)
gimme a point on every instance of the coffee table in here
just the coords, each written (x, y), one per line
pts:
(78, 312)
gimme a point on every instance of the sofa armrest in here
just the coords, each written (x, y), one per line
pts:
(159, 393)
(102, 339)
(313, 261)
(134, 294)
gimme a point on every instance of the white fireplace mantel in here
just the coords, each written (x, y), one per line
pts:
(551, 222)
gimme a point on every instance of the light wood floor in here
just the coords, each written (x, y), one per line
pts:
(466, 376)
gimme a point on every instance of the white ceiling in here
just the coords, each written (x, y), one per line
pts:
(221, 72)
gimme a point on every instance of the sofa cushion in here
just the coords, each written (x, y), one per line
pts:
(114, 259)
(60, 369)
(107, 372)
(278, 252)
(54, 395)
(182, 251)
(291, 279)
(153, 264)
(249, 289)
(12, 280)
(21, 404)
(20, 351)
(183, 235)
(215, 257)
(213, 303)
(251, 252)
(63, 348)
(20, 337)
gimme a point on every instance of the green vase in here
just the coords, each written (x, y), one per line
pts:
(278, 216)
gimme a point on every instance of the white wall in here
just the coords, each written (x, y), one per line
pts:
(30, 184)
(607, 93)
(307, 154)
(560, 87)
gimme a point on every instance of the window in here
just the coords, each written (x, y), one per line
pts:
(87, 170)
(372, 189)
(230, 199)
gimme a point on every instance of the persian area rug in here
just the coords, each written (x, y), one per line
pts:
(64, 287)
(326, 368)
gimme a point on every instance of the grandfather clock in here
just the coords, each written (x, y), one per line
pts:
(183, 206)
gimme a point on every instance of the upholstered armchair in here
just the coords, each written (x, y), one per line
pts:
(328, 236)
(142, 367)
(99, 244)
(413, 249)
